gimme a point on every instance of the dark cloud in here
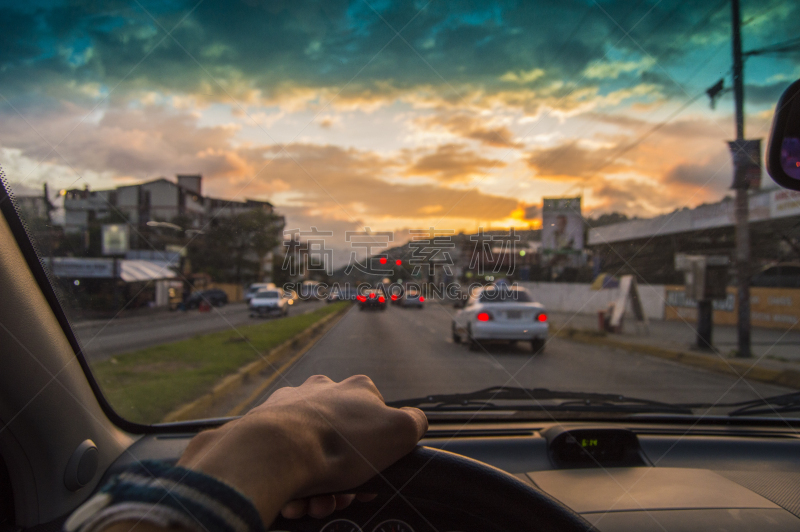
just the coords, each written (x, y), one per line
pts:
(274, 46)
(452, 162)
(571, 161)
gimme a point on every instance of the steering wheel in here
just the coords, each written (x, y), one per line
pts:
(464, 486)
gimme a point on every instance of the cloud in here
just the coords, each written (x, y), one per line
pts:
(470, 127)
(452, 162)
(571, 161)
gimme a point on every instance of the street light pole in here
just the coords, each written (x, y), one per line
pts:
(740, 183)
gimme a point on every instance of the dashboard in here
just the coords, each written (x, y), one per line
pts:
(642, 477)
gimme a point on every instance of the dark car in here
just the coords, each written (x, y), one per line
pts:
(373, 299)
(784, 275)
(213, 297)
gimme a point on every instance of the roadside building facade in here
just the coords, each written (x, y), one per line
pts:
(157, 200)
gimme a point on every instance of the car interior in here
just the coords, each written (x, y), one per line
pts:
(636, 465)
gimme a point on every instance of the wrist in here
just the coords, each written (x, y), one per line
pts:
(280, 474)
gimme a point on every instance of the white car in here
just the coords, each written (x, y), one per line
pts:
(268, 302)
(501, 313)
(254, 288)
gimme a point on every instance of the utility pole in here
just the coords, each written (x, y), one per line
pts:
(741, 184)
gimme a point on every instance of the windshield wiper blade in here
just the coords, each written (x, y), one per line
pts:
(530, 397)
(788, 402)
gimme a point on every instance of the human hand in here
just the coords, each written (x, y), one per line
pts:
(320, 437)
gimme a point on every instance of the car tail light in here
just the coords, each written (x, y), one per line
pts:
(398, 262)
(381, 299)
(394, 297)
(484, 316)
(372, 296)
(422, 299)
(361, 298)
(542, 317)
(382, 260)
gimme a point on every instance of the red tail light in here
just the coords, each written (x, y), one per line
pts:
(372, 296)
(542, 317)
(394, 297)
(484, 316)
(422, 299)
(361, 298)
(398, 262)
(383, 260)
(381, 299)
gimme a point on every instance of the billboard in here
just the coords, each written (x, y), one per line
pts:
(115, 239)
(562, 226)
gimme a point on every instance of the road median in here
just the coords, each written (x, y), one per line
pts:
(188, 379)
(745, 368)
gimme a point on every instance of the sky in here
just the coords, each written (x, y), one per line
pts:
(389, 115)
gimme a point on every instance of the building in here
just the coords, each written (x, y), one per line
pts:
(157, 200)
(647, 247)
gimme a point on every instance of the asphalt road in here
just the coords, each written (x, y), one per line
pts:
(409, 353)
(102, 339)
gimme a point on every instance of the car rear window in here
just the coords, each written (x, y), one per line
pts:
(499, 296)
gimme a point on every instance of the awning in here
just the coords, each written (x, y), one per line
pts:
(145, 270)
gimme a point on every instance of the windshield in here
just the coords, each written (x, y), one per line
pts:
(172, 159)
(270, 294)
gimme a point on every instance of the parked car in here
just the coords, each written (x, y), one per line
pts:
(501, 313)
(372, 299)
(269, 302)
(412, 298)
(783, 275)
(254, 288)
(213, 297)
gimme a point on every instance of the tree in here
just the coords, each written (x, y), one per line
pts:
(233, 248)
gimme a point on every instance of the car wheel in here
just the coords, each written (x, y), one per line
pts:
(474, 345)
(456, 336)
(537, 344)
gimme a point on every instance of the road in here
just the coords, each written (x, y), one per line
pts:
(103, 339)
(409, 353)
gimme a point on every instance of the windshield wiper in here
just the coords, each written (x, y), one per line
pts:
(788, 402)
(528, 399)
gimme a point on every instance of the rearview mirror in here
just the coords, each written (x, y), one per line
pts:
(783, 152)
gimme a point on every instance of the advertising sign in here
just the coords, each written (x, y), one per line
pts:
(81, 268)
(115, 239)
(773, 308)
(562, 225)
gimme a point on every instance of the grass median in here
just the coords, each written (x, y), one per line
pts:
(143, 386)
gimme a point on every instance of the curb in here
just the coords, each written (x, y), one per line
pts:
(737, 368)
(229, 384)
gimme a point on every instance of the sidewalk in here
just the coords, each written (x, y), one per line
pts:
(776, 353)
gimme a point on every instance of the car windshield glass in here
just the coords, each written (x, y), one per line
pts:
(500, 296)
(271, 294)
(447, 197)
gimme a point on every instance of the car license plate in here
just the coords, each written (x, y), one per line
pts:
(513, 314)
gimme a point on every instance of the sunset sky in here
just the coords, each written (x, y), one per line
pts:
(467, 117)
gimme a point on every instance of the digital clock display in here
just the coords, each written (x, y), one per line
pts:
(593, 447)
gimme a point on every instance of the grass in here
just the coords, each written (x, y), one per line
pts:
(145, 385)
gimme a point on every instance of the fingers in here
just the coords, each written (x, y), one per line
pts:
(419, 418)
(295, 509)
(344, 500)
(321, 506)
